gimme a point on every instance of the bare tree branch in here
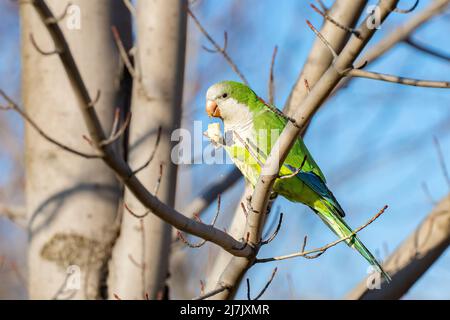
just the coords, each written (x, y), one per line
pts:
(117, 164)
(413, 257)
(319, 58)
(117, 132)
(397, 79)
(322, 249)
(357, 72)
(274, 272)
(202, 242)
(211, 293)
(403, 32)
(275, 233)
(336, 23)
(13, 106)
(218, 48)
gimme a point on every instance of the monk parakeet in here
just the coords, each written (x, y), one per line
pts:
(251, 127)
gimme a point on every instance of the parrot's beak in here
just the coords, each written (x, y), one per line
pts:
(212, 109)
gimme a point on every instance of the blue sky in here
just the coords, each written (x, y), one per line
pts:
(373, 141)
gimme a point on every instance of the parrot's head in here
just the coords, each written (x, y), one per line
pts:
(229, 101)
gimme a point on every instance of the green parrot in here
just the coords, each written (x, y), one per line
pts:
(251, 127)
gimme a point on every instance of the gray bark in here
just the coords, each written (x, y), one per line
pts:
(139, 265)
(71, 202)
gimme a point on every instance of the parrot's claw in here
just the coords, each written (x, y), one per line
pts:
(214, 135)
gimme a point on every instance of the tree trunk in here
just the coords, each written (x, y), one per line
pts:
(71, 201)
(139, 266)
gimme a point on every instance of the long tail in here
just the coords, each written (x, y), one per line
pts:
(330, 215)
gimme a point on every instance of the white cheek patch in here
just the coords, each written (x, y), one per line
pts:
(235, 114)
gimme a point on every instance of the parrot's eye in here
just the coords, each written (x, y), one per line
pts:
(225, 95)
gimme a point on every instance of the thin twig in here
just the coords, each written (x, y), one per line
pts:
(202, 287)
(271, 76)
(155, 193)
(114, 160)
(399, 34)
(96, 99)
(152, 155)
(16, 214)
(322, 38)
(307, 256)
(203, 241)
(295, 171)
(130, 7)
(427, 193)
(407, 10)
(274, 272)
(38, 49)
(223, 48)
(273, 224)
(123, 52)
(139, 216)
(275, 233)
(356, 72)
(427, 50)
(244, 244)
(397, 79)
(219, 49)
(13, 106)
(116, 120)
(117, 133)
(158, 181)
(322, 5)
(442, 161)
(321, 250)
(211, 293)
(336, 23)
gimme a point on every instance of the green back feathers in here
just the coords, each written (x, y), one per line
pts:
(267, 119)
(243, 94)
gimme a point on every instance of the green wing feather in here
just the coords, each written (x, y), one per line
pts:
(266, 119)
